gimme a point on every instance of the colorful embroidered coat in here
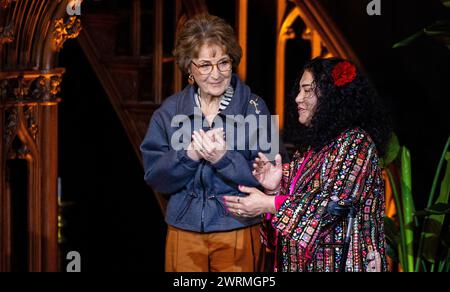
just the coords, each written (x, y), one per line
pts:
(307, 237)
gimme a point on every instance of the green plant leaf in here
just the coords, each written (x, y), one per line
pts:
(431, 238)
(446, 3)
(433, 224)
(421, 213)
(428, 225)
(444, 157)
(392, 150)
(439, 208)
(427, 212)
(440, 31)
(408, 207)
(407, 41)
(401, 247)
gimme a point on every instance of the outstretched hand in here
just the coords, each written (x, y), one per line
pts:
(267, 174)
(256, 203)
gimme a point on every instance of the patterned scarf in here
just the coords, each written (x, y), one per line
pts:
(224, 100)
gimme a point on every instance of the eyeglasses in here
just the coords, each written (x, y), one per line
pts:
(222, 66)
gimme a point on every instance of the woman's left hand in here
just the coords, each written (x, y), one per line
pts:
(256, 203)
(211, 144)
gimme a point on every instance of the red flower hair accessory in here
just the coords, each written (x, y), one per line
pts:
(343, 73)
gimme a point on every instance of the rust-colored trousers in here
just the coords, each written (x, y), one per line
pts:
(231, 251)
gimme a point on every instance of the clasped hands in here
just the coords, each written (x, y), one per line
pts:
(210, 145)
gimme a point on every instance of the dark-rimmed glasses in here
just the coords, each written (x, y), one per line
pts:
(207, 68)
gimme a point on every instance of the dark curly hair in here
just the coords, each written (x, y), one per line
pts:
(339, 108)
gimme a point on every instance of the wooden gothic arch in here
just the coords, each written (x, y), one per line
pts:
(32, 33)
(321, 32)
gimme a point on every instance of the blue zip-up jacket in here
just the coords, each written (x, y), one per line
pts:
(196, 188)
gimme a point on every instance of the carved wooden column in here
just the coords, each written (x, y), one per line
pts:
(29, 97)
(30, 130)
(4, 216)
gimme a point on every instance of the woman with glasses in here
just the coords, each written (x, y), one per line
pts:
(202, 236)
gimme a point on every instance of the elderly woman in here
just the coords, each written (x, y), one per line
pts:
(202, 235)
(328, 208)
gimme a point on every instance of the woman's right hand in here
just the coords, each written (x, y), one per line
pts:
(193, 153)
(267, 174)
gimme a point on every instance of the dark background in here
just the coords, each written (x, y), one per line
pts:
(115, 221)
